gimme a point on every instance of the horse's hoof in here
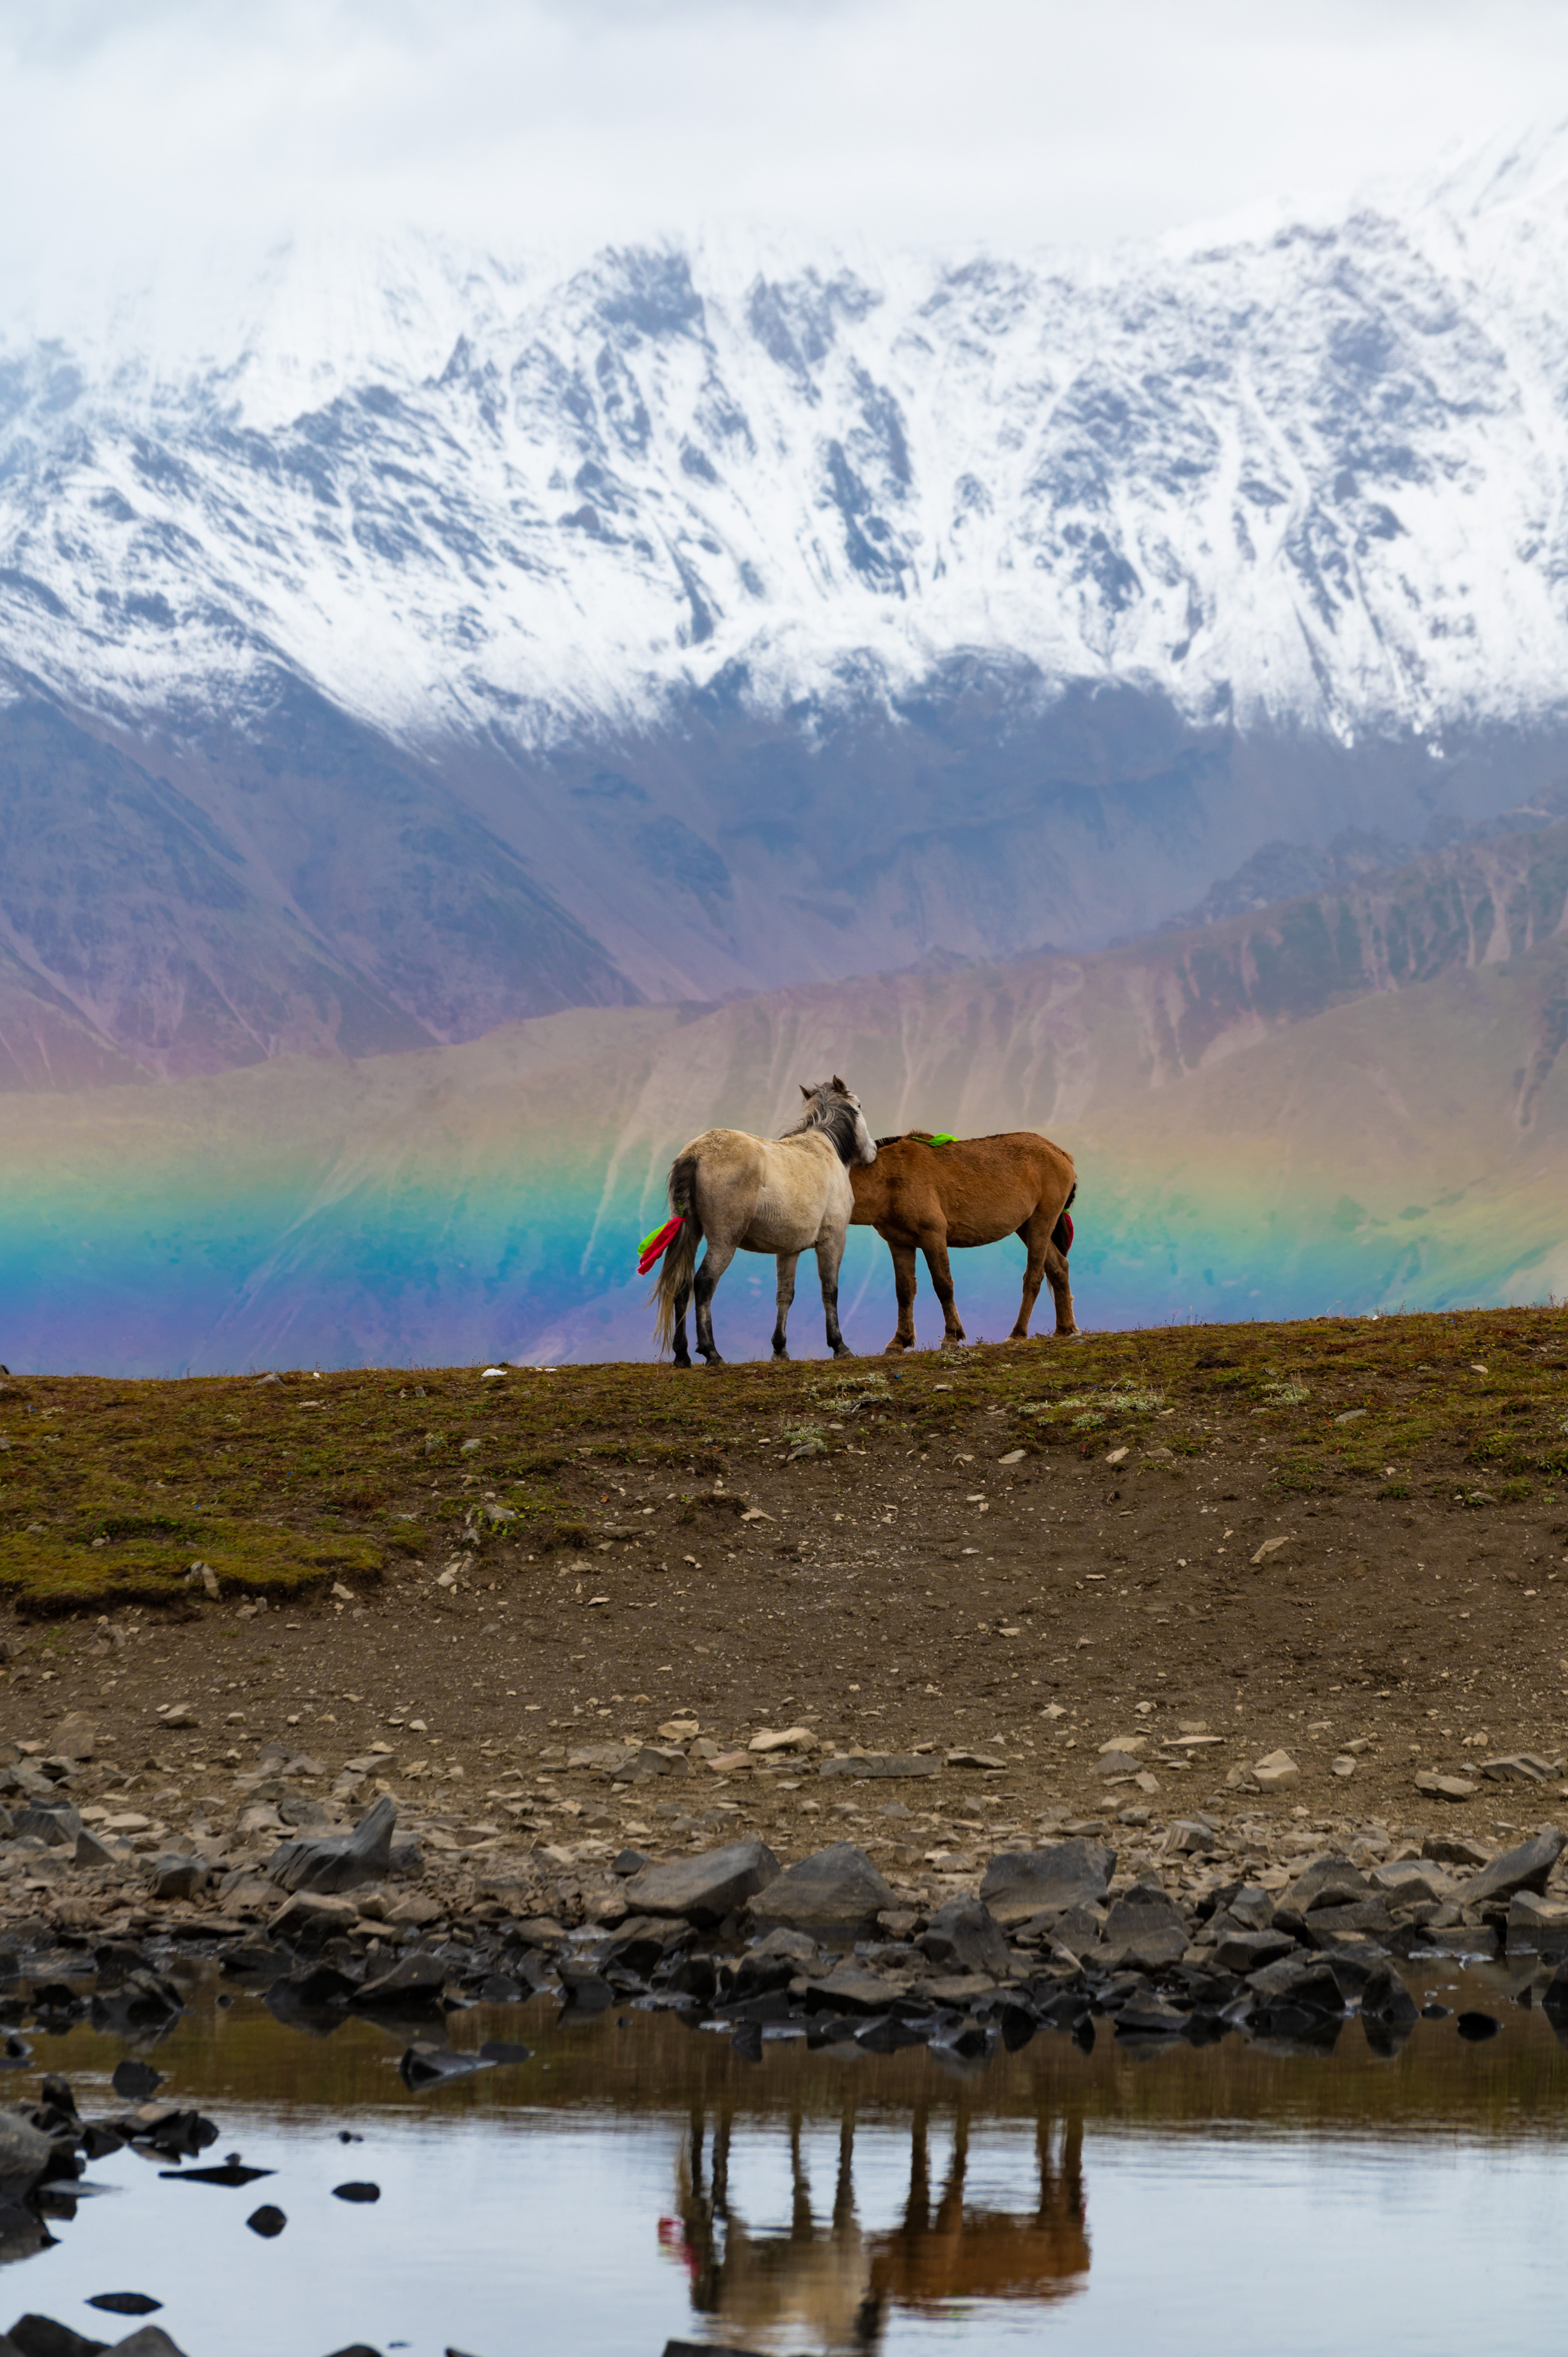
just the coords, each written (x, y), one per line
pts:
(714, 1358)
(843, 1351)
(895, 1348)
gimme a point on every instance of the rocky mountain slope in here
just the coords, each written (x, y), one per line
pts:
(421, 641)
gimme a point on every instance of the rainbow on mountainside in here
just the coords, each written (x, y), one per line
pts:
(465, 1203)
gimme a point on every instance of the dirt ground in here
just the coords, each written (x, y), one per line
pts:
(1017, 1551)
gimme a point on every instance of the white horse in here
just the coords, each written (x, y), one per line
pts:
(781, 1195)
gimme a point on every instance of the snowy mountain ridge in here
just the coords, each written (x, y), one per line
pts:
(405, 640)
(1311, 479)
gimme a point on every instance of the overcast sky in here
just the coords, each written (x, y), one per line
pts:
(552, 123)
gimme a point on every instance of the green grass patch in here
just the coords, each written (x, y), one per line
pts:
(145, 1559)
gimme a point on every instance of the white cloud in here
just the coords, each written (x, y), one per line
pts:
(129, 128)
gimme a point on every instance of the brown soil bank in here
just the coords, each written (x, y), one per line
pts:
(1344, 1540)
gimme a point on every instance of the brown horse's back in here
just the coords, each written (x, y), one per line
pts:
(976, 1190)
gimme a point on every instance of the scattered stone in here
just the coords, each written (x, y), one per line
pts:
(40, 2336)
(1444, 1788)
(1412, 1882)
(705, 1890)
(1475, 2026)
(26, 2153)
(880, 1764)
(1524, 1868)
(330, 1862)
(964, 1937)
(75, 1737)
(1453, 1849)
(310, 1919)
(1386, 2000)
(90, 1852)
(1327, 1882)
(835, 1893)
(175, 1877)
(1537, 1922)
(1521, 1768)
(135, 2081)
(124, 2303)
(1344, 1765)
(986, 1760)
(792, 1739)
(1147, 1926)
(1022, 1884)
(1246, 1952)
(1113, 1764)
(1275, 1769)
(357, 2189)
(267, 2222)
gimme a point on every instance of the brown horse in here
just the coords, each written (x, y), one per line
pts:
(922, 1196)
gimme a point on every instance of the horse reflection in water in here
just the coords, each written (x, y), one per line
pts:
(834, 2281)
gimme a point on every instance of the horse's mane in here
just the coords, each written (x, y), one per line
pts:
(832, 1114)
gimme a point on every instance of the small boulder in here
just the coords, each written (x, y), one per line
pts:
(1147, 1926)
(1019, 1884)
(1275, 1769)
(964, 1937)
(329, 1862)
(24, 2151)
(175, 1877)
(75, 1737)
(836, 1893)
(1444, 1788)
(703, 1890)
(1327, 1882)
(1524, 1868)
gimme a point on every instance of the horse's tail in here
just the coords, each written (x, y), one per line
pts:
(1061, 1234)
(676, 1268)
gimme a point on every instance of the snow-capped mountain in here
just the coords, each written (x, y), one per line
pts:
(432, 638)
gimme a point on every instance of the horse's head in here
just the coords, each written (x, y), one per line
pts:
(835, 1108)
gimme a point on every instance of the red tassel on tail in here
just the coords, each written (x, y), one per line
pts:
(656, 1244)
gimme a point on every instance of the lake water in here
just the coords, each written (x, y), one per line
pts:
(637, 2182)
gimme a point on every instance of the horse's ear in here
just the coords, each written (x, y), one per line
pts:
(839, 1086)
(805, 1091)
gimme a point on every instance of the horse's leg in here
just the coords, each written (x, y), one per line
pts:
(683, 1296)
(904, 1283)
(786, 1265)
(935, 1250)
(1035, 1238)
(1061, 1287)
(830, 1252)
(715, 1260)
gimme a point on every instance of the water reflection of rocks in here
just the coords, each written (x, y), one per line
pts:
(823, 2277)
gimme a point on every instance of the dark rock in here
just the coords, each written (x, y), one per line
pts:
(26, 2153)
(222, 2172)
(964, 1937)
(880, 1764)
(587, 1992)
(504, 2052)
(705, 1890)
(358, 2189)
(1453, 1849)
(1368, 1917)
(431, 2066)
(746, 2041)
(40, 2336)
(126, 2303)
(1524, 1868)
(133, 2082)
(960, 2039)
(1309, 1986)
(56, 1826)
(1022, 1883)
(333, 1862)
(266, 2221)
(150, 2341)
(887, 2034)
(414, 1980)
(91, 1852)
(850, 1987)
(1246, 1952)
(1477, 2026)
(835, 1894)
(1080, 1930)
(1385, 1999)
(1432, 2011)
(629, 1861)
(1147, 1926)
(177, 1878)
(1149, 2016)
(1327, 1882)
(1250, 1907)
